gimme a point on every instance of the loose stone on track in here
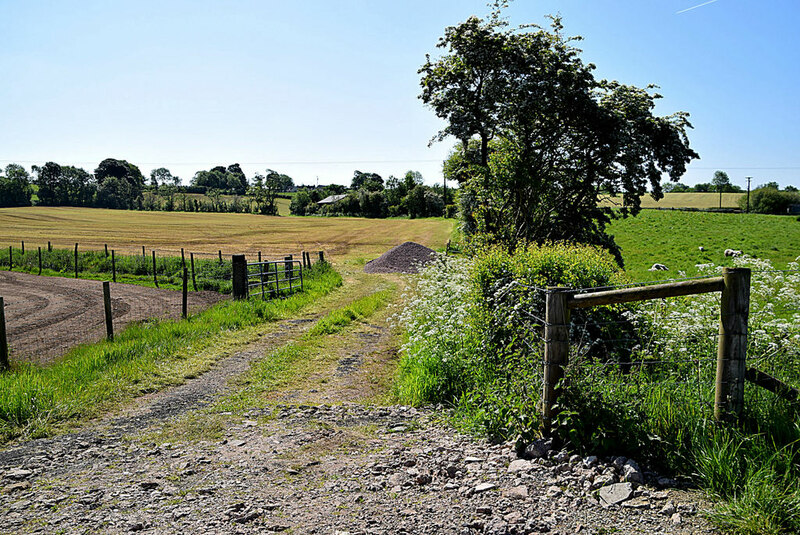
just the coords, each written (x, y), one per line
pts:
(405, 258)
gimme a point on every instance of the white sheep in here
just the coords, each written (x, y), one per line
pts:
(732, 252)
(658, 267)
(701, 248)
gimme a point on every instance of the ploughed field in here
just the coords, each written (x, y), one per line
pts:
(46, 316)
(342, 238)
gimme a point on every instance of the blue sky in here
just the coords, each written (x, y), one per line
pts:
(321, 88)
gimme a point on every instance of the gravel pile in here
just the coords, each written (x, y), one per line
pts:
(405, 258)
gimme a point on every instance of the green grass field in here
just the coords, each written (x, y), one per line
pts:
(674, 238)
(342, 238)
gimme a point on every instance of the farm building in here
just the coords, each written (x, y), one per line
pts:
(331, 199)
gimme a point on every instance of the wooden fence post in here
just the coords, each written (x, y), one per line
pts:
(259, 256)
(185, 296)
(4, 365)
(113, 267)
(23, 246)
(239, 273)
(10, 258)
(556, 350)
(155, 276)
(732, 349)
(76, 260)
(322, 257)
(49, 247)
(40, 260)
(220, 256)
(107, 306)
(105, 246)
(183, 259)
(194, 280)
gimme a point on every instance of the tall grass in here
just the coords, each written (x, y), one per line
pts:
(144, 357)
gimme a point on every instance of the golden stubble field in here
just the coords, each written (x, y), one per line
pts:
(342, 238)
(683, 200)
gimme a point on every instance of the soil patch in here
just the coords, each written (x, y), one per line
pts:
(47, 316)
(405, 258)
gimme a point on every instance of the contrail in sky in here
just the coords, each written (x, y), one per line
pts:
(695, 7)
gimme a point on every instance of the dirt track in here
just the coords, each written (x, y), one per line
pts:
(319, 459)
(46, 316)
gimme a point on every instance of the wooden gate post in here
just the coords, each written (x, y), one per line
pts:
(76, 260)
(732, 349)
(261, 273)
(4, 365)
(556, 350)
(107, 307)
(239, 273)
(288, 269)
(40, 260)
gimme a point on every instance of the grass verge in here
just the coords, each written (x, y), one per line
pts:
(143, 358)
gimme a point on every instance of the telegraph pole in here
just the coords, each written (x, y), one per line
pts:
(749, 178)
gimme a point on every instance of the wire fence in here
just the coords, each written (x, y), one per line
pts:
(669, 347)
(45, 316)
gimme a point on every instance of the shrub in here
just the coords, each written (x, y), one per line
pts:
(471, 325)
(770, 201)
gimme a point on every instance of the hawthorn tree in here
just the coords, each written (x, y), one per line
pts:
(541, 137)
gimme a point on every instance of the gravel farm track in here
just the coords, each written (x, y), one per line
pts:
(317, 453)
(46, 316)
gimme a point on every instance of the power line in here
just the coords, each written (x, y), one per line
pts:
(298, 162)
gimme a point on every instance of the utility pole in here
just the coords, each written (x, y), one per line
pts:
(749, 178)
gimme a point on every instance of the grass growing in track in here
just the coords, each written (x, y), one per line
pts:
(674, 238)
(143, 358)
(294, 362)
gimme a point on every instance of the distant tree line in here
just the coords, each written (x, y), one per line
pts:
(119, 184)
(720, 183)
(764, 199)
(370, 196)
